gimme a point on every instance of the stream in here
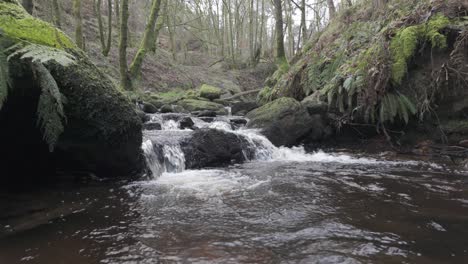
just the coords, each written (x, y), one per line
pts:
(282, 206)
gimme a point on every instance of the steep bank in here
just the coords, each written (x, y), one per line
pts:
(59, 112)
(389, 71)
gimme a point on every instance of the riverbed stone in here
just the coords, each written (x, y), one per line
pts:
(213, 148)
(152, 126)
(285, 121)
(210, 92)
(193, 105)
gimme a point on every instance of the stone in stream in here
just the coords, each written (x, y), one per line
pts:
(214, 148)
(195, 105)
(238, 121)
(285, 121)
(210, 92)
(149, 108)
(143, 116)
(186, 123)
(166, 109)
(206, 113)
(207, 119)
(152, 126)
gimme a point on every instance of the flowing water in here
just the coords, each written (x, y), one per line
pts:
(283, 206)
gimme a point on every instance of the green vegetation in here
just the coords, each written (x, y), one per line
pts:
(50, 110)
(406, 41)
(17, 24)
(210, 92)
(357, 64)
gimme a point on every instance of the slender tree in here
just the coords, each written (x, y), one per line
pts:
(147, 41)
(79, 39)
(28, 5)
(56, 13)
(280, 53)
(331, 9)
(123, 43)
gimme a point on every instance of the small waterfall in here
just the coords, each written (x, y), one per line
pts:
(152, 158)
(174, 158)
(229, 110)
(164, 153)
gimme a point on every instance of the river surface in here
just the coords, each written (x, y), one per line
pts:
(292, 207)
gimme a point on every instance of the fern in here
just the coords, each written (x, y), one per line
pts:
(4, 79)
(42, 54)
(50, 111)
(393, 106)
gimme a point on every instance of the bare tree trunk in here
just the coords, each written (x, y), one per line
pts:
(79, 39)
(304, 23)
(280, 53)
(146, 42)
(28, 5)
(56, 16)
(107, 47)
(100, 25)
(124, 76)
(331, 8)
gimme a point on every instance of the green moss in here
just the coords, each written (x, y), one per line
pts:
(264, 96)
(406, 41)
(201, 105)
(274, 110)
(15, 23)
(210, 92)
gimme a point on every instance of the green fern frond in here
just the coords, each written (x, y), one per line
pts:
(4, 79)
(50, 110)
(43, 54)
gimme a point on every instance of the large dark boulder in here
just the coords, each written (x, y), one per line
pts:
(285, 121)
(102, 130)
(213, 148)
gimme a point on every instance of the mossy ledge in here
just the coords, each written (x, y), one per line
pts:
(102, 133)
(391, 70)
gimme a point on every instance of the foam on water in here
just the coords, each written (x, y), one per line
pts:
(259, 145)
(206, 183)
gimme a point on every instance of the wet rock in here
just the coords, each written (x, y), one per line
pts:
(166, 109)
(102, 133)
(314, 106)
(152, 126)
(238, 121)
(186, 123)
(213, 148)
(207, 119)
(193, 105)
(149, 108)
(241, 108)
(285, 121)
(206, 113)
(463, 143)
(143, 116)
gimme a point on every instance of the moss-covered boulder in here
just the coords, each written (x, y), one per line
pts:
(210, 92)
(59, 116)
(285, 121)
(194, 105)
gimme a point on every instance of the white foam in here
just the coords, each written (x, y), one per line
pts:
(206, 183)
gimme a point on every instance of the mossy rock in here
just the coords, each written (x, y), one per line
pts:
(210, 92)
(18, 25)
(102, 132)
(194, 105)
(285, 121)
